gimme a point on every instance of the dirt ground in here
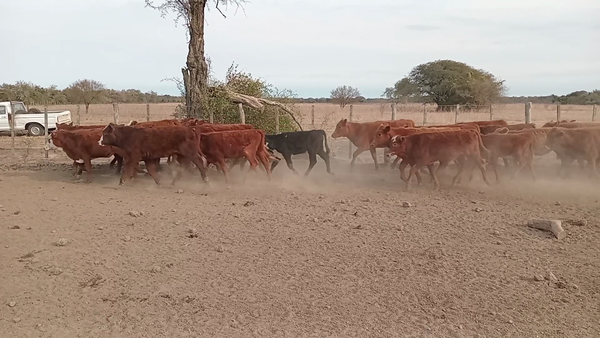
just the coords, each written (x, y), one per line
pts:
(325, 256)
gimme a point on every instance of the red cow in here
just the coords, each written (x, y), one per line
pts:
(151, 144)
(361, 135)
(82, 145)
(443, 146)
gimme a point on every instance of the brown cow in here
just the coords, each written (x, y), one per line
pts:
(234, 144)
(556, 123)
(82, 146)
(581, 143)
(519, 146)
(151, 144)
(361, 135)
(578, 125)
(383, 137)
(444, 146)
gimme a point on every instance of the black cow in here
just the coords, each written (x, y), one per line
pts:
(298, 142)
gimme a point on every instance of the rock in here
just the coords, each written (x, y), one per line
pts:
(355, 213)
(554, 226)
(577, 222)
(55, 199)
(53, 231)
(551, 277)
(155, 269)
(15, 227)
(538, 278)
(367, 200)
(12, 304)
(220, 248)
(478, 210)
(100, 228)
(134, 213)
(248, 203)
(193, 233)
(17, 212)
(177, 222)
(180, 191)
(62, 242)
(406, 204)
(496, 233)
(16, 319)
(127, 238)
(557, 203)
(54, 271)
(510, 321)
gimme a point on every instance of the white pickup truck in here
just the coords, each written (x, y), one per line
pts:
(31, 120)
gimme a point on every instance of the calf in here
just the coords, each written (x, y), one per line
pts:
(578, 143)
(361, 135)
(299, 142)
(519, 146)
(82, 145)
(232, 144)
(384, 135)
(443, 146)
(150, 144)
(69, 126)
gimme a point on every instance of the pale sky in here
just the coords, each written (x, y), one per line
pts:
(539, 47)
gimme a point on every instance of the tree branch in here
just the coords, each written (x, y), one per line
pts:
(217, 7)
(255, 102)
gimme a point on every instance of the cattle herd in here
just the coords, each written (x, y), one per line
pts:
(470, 145)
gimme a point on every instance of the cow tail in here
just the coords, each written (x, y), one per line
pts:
(482, 147)
(263, 153)
(199, 147)
(325, 140)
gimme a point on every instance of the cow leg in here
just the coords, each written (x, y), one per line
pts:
(152, 170)
(288, 160)
(112, 163)
(129, 169)
(479, 162)
(253, 163)
(402, 166)
(494, 162)
(506, 163)
(87, 163)
(413, 169)
(592, 160)
(357, 152)
(325, 157)
(223, 167)
(264, 159)
(374, 156)
(312, 158)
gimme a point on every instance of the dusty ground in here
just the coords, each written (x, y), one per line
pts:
(318, 257)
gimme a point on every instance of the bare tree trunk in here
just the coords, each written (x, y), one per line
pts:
(195, 75)
(87, 108)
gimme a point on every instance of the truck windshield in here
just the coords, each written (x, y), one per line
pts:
(18, 108)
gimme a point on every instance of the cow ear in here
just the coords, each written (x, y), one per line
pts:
(386, 129)
(109, 127)
(344, 121)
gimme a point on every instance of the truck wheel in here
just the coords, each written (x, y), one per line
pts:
(35, 129)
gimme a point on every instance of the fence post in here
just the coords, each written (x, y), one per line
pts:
(211, 117)
(393, 111)
(350, 142)
(528, 112)
(116, 112)
(557, 113)
(456, 113)
(424, 115)
(312, 116)
(242, 114)
(45, 130)
(277, 121)
(78, 114)
(491, 112)
(594, 110)
(12, 130)
(148, 112)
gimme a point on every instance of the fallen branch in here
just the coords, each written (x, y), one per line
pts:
(255, 102)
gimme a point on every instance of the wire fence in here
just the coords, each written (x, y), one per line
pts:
(314, 116)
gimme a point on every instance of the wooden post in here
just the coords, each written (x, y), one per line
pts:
(211, 117)
(242, 114)
(350, 142)
(594, 111)
(424, 114)
(116, 112)
(528, 112)
(557, 113)
(456, 113)
(11, 120)
(78, 115)
(491, 112)
(148, 112)
(45, 131)
(393, 111)
(277, 121)
(312, 116)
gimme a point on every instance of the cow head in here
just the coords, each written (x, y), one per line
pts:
(341, 129)
(398, 145)
(382, 136)
(53, 141)
(132, 123)
(108, 138)
(555, 138)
